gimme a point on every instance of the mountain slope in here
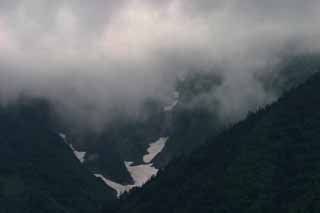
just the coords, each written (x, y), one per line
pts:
(189, 117)
(268, 163)
(123, 139)
(38, 171)
(194, 120)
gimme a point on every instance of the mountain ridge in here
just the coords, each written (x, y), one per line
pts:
(268, 162)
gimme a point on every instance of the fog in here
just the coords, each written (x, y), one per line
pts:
(92, 58)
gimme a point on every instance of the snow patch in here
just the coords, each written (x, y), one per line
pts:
(154, 149)
(176, 94)
(170, 107)
(63, 136)
(80, 155)
(141, 174)
(120, 189)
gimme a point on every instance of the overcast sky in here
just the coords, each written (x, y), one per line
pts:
(93, 55)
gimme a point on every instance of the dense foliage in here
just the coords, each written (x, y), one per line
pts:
(193, 120)
(270, 162)
(197, 117)
(38, 171)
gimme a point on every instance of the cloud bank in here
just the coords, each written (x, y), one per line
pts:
(91, 57)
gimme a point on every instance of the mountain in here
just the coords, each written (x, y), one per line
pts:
(38, 170)
(117, 152)
(193, 121)
(187, 120)
(267, 163)
(47, 166)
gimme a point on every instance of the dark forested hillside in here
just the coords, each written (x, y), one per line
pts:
(123, 139)
(187, 119)
(38, 171)
(193, 120)
(270, 162)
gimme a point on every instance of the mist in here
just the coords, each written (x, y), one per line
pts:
(92, 58)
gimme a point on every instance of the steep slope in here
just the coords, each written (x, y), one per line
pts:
(122, 139)
(267, 163)
(191, 121)
(38, 171)
(186, 119)
(194, 121)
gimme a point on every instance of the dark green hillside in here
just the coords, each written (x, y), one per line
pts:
(38, 171)
(291, 72)
(270, 162)
(123, 139)
(193, 122)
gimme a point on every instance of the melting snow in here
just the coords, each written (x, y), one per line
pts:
(140, 174)
(120, 189)
(79, 155)
(63, 136)
(176, 96)
(171, 106)
(154, 149)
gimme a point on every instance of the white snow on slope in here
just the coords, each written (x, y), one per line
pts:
(154, 149)
(141, 174)
(120, 189)
(170, 107)
(63, 136)
(79, 155)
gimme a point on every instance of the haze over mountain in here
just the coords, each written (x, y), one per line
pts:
(95, 58)
(268, 162)
(102, 96)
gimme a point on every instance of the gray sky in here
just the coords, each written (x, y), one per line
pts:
(94, 55)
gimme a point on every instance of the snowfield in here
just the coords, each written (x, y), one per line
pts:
(154, 149)
(170, 107)
(80, 155)
(120, 189)
(140, 174)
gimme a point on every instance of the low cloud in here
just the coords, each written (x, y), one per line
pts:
(91, 57)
